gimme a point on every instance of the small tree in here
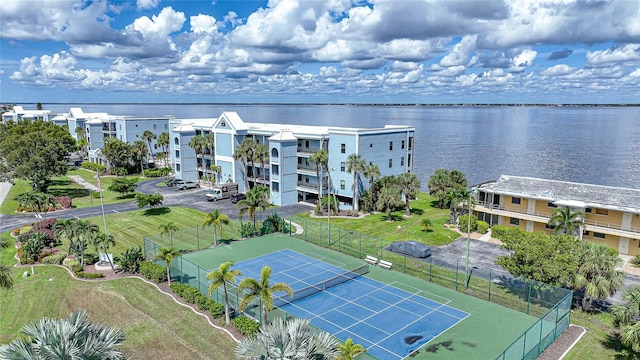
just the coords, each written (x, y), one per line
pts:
(566, 221)
(349, 350)
(167, 255)
(221, 277)
(426, 225)
(215, 219)
(252, 288)
(6, 280)
(168, 229)
(153, 200)
(123, 186)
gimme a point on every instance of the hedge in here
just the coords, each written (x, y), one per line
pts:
(154, 272)
(93, 166)
(245, 325)
(55, 259)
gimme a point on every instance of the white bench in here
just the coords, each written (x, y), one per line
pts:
(385, 265)
(371, 260)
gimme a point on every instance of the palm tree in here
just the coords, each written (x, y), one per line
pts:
(71, 338)
(148, 136)
(167, 255)
(439, 185)
(256, 199)
(6, 281)
(349, 350)
(261, 154)
(355, 164)
(103, 242)
(81, 134)
(210, 144)
(320, 158)
(168, 228)
(426, 225)
(626, 316)
(85, 232)
(139, 151)
(198, 145)
(598, 273)
(409, 186)
(371, 172)
(566, 221)
(292, 339)
(36, 201)
(244, 153)
(221, 277)
(388, 198)
(215, 169)
(252, 288)
(217, 219)
(163, 142)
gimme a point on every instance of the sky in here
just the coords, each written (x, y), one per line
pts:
(324, 51)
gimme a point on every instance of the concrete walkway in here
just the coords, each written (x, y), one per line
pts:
(4, 190)
(85, 184)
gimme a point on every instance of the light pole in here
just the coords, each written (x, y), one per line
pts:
(466, 268)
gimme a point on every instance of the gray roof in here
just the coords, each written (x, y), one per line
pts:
(607, 197)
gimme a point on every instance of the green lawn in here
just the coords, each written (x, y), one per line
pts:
(155, 326)
(64, 186)
(403, 228)
(600, 341)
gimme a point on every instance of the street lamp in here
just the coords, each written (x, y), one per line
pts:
(466, 268)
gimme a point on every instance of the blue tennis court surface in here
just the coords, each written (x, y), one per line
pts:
(389, 322)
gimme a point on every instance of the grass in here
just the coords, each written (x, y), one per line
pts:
(155, 326)
(65, 186)
(403, 228)
(600, 341)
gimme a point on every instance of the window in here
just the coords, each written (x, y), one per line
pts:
(602, 212)
(598, 235)
(176, 141)
(390, 145)
(155, 126)
(306, 143)
(409, 160)
(552, 205)
(514, 221)
(585, 233)
(275, 186)
(343, 148)
(275, 169)
(390, 163)
(274, 153)
(515, 200)
(402, 144)
(120, 126)
(549, 226)
(343, 166)
(410, 142)
(370, 145)
(402, 161)
(177, 153)
(166, 126)
(342, 184)
(587, 210)
(177, 167)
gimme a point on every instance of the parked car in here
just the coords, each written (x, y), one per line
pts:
(237, 197)
(411, 248)
(172, 182)
(182, 185)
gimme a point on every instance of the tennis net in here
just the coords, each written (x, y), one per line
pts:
(323, 285)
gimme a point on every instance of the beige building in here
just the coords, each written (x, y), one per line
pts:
(612, 214)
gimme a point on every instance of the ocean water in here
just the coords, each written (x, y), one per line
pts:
(596, 145)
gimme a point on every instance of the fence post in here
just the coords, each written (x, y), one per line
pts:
(524, 345)
(198, 237)
(431, 269)
(529, 296)
(490, 281)
(456, 275)
(360, 245)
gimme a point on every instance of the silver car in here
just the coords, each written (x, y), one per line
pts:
(411, 248)
(182, 185)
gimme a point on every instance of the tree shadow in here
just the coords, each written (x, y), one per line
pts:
(394, 218)
(127, 196)
(435, 204)
(612, 341)
(417, 211)
(60, 182)
(73, 193)
(156, 211)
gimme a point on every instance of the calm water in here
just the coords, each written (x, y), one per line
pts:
(581, 144)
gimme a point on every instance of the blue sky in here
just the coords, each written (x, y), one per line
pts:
(320, 51)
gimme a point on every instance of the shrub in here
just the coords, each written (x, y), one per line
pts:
(63, 201)
(202, 302)
(245, 325)
(76, 268)
(90, 258)
(153, 173)
(178, 288)
(274, 223)
(95, 194)
(55, 259)
(153, 272)
(636, 261)
(70, 263)
(483, 227)
(190, 294)
(93, 166)
(86, 275)
(503, 232)
(463, 223)
(45, 253)
(131, 258)
(216, 309)
(246, 230)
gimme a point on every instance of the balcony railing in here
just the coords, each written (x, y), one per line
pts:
(307, 150)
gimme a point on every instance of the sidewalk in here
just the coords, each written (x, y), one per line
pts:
(4, 190)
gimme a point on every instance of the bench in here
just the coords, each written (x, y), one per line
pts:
(385, 265)
(371, 260)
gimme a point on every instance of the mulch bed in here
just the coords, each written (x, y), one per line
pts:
(562, 344)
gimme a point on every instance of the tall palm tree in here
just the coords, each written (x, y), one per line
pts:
(439, 185)
(139, 152)
(598, 273)
(409, 186)
(149, 136)
(244, 153)
(292, 339)
(261, 154)
(163, 142)
(81, 135)
(197, 144)
(215, 169)
(355, 165)
(210, 144)
(72, 338)
(349, 350)
(566, 221)
(221, 277)
(6, 280)
(256, 199)
(217, 219)
(320, 158)
(168, 229)
(388, 198)
(252, 288)
(371, 172)
(167, 255)
(103, 242)
(85, 232)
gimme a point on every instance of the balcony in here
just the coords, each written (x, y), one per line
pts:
(310, 187)
(496, 209)
(307, 150)
(612, 229)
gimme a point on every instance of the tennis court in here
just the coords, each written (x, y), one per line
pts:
(390, 322)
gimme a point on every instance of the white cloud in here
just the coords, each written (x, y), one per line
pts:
(626, 53)
(523, 60)
(147, 4)
(557, 70)
(460, 52)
